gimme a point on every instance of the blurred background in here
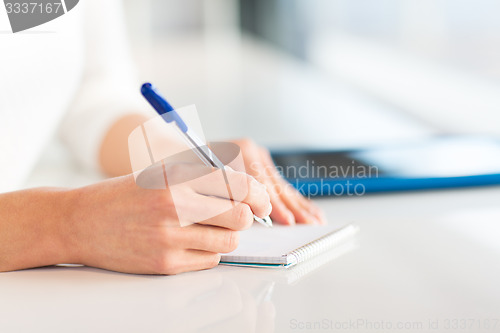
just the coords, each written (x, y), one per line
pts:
(326, 73)
(320, 73)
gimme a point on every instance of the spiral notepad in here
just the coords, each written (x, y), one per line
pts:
(285, 246)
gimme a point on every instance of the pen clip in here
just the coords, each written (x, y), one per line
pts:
(161, 105)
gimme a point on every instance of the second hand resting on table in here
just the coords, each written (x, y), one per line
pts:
(289, 206)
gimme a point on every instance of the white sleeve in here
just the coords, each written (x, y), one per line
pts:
(108, 89)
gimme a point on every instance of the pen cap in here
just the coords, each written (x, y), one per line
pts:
(159, 103)
(161, 106)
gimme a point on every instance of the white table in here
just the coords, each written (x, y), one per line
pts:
(420, 259)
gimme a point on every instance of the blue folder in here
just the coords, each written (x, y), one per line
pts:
(473, 161)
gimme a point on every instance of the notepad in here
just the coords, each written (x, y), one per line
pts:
(285, 246)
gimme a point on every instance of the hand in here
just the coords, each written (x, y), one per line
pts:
(120, 226)
(289, 206)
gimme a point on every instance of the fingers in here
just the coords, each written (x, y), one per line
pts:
(314, 210)
(192, 207)
(199, 260)
(265, 169)
(196, 208)
(242, 187)
(280, 213)
(301, 214)
(303, 209)
(208, 238)
(216, 184)
(258, 199)
(197, 247)
(180, 261)
(240, 217)
(288, 201)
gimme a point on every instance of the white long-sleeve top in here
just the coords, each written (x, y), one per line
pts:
(73, 76)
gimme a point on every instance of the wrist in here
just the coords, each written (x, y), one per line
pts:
(67, 228)
(58, 237)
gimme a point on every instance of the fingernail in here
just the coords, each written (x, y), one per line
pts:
(291, 218)
(270, 209)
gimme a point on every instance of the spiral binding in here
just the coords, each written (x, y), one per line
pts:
(320, 245)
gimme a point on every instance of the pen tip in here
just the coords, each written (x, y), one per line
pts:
(268, 221)
(265, 221)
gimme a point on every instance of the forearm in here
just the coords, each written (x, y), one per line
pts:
(114, 152)
(114, 156)
(33, 228)
(117, 225)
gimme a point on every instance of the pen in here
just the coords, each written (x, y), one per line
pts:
(204, 153)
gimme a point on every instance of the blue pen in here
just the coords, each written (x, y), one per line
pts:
(168, 113)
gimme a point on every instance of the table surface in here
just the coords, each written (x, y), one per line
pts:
(422, 261)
